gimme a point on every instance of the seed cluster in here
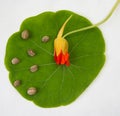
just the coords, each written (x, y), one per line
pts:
(25, 34)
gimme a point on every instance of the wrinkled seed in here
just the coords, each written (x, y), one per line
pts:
(17, 83)
(25, 34)
(31, 91)
(34, 68)
(15, 61)
(45, 38)
(31, 52)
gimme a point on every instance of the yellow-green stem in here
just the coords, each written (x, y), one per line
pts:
(97, 24)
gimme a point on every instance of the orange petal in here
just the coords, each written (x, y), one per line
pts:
(62, 58)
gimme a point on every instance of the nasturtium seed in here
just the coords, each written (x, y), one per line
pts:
(15, 60)
(34, 68)
(25, 34)
(31, 91)
(45, 39)
(31, 52)
(17, 83)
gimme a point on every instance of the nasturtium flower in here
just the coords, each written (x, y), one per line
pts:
(61, 55)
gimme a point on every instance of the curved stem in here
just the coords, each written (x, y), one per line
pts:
(97, 24)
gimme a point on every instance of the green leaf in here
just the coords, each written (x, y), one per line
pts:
(56, 84)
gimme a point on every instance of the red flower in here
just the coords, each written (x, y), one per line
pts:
(61, 55)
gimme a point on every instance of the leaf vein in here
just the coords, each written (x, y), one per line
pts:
(42, 48)
(48, 78)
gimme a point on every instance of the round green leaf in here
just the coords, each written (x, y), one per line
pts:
(56, 84)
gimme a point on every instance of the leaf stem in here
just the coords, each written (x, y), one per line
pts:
(97, 24)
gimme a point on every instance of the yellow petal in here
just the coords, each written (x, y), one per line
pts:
(60, 33)
(60, 44)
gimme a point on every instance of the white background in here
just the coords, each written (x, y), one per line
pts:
(102, 98)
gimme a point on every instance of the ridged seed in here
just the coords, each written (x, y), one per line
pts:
(25, 34)
(31, 91)
(15, 61)
(45, 39)
(34, 68)
(17, 83)
(31, 52)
